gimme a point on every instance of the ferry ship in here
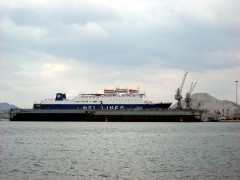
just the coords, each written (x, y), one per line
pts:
(111, 99)
(114, 105)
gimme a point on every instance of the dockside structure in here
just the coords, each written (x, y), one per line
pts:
(133, 115)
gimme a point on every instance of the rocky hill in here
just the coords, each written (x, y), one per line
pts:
(204, 101)
(6, 106)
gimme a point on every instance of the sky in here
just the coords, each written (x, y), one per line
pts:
(84, 46)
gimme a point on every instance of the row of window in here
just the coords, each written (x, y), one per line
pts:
(113, 100)
(108, 97)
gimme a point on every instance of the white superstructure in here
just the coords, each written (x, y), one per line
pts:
(111, 99)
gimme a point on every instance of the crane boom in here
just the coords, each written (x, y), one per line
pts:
(188, 96)
(183, 81)
(192, 87)
(178, 95)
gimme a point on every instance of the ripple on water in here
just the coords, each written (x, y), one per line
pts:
(53, 150)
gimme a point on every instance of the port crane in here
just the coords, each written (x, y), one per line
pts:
(188, 95)
(178, 95)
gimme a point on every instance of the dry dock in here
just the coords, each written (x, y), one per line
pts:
(133, 115)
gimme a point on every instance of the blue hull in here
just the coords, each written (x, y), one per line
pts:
(104, 106)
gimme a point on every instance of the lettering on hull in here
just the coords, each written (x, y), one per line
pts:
(114, 107)
(88, 107)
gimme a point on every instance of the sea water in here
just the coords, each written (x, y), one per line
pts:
(108, 150)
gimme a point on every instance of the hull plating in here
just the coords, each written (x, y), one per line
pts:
(104, 115)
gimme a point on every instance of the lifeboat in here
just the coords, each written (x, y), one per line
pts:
(133, 90)
(108, 90)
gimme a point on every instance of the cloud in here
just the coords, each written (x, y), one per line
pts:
(72, 76)
(22, 33)
(59, 32)
(77, 32)
(51, 46)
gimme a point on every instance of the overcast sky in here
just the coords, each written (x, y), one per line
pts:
(74, 46)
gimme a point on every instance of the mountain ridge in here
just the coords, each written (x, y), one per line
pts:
(6, 106)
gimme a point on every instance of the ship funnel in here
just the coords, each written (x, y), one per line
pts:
(60, 97)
